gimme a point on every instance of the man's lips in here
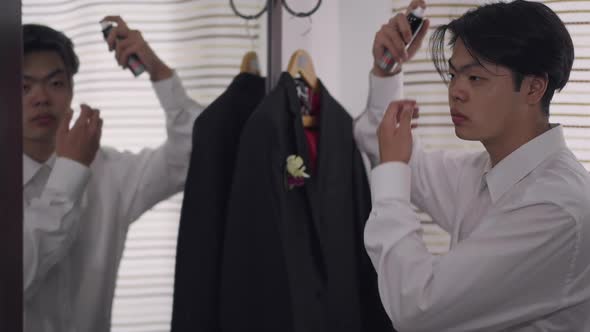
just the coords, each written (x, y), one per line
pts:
(458, 117)
(43, 119)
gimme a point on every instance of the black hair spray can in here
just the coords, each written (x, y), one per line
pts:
(415, 18)
(133, 62)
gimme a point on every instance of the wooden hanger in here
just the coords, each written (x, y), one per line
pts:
(250, 64)
(300, 65)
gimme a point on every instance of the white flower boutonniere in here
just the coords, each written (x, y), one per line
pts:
(295, 170)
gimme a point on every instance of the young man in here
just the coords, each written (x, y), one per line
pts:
(80, 198)
(518, 213)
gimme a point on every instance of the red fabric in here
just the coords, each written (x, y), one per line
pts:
(313, 134)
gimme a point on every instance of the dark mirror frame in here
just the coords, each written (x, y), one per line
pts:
(11, 214)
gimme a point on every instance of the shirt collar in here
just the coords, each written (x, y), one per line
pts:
(31, 167)
(522, 161)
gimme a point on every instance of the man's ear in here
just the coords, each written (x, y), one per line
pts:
(534, 86)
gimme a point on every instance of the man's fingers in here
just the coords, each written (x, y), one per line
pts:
(378, 47)
(86, 111)
(128, 52)
(112, 39)
(64, 125)
(405, 124)
(94, 121)
(396, 45)
(99, 132)
(387, 43)
(93, 117)
(122, 45)
(402, 25)
(84, 117)
(120, 31)
(121, 24)
(115, 35)
(389, 121)
(100, 125)
(391, 116)
(405, 103)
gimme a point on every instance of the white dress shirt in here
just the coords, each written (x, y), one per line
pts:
(76, 220)
(520, 234)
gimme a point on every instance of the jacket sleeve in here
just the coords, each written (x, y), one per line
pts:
(253, 277)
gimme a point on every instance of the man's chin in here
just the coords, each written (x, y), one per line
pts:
(41, 136)
(465, 134)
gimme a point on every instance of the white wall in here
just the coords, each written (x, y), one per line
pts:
(360, 20)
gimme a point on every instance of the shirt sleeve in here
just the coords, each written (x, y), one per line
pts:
(152, 175)
(435, 174)
(382, 91)
(514, 268)
(51, 221)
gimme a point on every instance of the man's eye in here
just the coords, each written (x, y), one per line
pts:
(26, 88)
(450, 76)
(58, 83)
(474, 78)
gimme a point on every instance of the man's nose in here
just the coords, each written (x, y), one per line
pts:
(457, 92)
(40, 95)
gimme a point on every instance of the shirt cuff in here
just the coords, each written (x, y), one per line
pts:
(170, 92)
(384, 90)
(68, 178)
(391, 181)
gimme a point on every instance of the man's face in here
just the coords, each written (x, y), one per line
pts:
(47, 95)
(483, 101)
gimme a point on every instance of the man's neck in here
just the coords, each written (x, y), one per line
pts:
(503, 146)
(37, 150)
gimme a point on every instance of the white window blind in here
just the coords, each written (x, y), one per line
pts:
(204, 41)
(571, 107)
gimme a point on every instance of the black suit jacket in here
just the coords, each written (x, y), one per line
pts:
(294, 260)
(216, 134)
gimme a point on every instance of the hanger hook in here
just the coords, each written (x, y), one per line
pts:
(248, 17)
(301, 14)
(309, 27)
(250, 34)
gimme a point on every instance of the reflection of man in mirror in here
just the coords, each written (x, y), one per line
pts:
(80, 198)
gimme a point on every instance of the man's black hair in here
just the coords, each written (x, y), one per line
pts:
(526, 37)
(37, 38)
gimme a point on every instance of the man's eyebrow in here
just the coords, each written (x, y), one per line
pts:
(464, 67)
(51, 75)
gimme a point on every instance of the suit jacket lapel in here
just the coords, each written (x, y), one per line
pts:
(328, 142)
(311, 184)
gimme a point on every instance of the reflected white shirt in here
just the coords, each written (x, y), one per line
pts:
(76, 219)
(520, 234)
